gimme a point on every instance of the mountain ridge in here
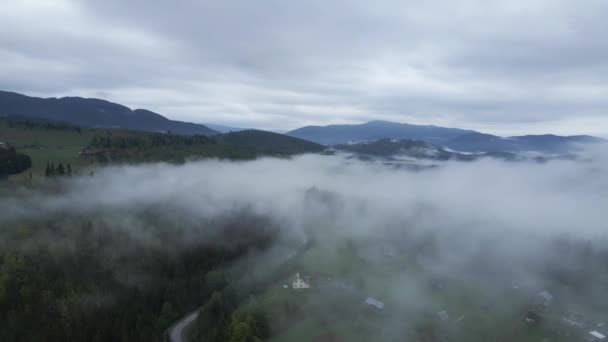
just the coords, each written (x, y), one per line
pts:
(373, 130)
(93, 112)
(99, 113)
(453, 138)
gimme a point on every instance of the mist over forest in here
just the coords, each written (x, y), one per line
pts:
(142, 245)
(303, 171)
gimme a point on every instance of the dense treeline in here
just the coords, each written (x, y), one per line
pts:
(219, 321)
(113, 147)
(52, 171)
(31, 123)
(269, 142)
(108, 278)
(234, 316)
(87, 148)
(247, 144)
(110, 141)
(12, 162)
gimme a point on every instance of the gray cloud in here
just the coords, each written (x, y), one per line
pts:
(508, 68)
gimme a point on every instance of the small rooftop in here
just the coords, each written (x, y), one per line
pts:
(374, 302)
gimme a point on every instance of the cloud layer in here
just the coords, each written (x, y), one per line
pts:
(487, 196)
(507, 68)
(488, 228)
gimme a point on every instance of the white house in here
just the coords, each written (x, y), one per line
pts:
(375, 303)
(596, 336)
(299, 283)
(574, 319)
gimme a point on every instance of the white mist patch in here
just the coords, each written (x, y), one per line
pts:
(456, 238)
(483, 196)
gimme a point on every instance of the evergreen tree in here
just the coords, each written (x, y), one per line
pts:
(47, 171)
(60, 170)
(69, 170)
(52, 170)
(167, 315)
(241, 332)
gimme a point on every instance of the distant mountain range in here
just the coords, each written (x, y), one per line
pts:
(390, 149)
(93, 113)
(224, 129)
(452, 138)
(549, 143)
(405, 153)
(104, 114)
(374, 130)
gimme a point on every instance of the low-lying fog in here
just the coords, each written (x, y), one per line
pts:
(487, 221)
(484, 197)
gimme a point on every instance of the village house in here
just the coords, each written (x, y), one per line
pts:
(539, 307)
(574, 319)
(531, 317)
(299, 283)
(374, 303)
(595, 336)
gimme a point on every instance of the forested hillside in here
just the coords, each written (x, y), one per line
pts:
(99, 278)
(93, 113)
(50, 142)
(12, 162)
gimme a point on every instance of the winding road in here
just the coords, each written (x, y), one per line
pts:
(176, 333)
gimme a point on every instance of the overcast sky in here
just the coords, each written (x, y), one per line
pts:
(504, 67)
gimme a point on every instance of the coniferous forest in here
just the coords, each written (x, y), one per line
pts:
(98, 278)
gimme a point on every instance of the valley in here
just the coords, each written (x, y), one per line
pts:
(303, 171)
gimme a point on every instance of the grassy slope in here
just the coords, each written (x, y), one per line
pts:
(313, 318)
(47, 144)
(63, 145)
